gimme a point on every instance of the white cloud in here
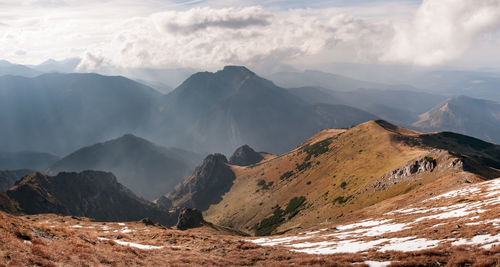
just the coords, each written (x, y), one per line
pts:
(172, 33)
(209, 38)
(442, 30)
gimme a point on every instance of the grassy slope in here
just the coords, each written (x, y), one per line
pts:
(357, 157)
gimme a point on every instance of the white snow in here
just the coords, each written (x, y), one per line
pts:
(77, 226)
(135, 245)
(455, 193)
(378, 263)
(344, 246)
(484, 240)
(452, 214)
(406, 244)
(125, 230)
(366, 223)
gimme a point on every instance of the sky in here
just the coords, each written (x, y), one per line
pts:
(207, 34)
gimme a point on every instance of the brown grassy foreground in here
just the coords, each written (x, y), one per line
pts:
(50, 240)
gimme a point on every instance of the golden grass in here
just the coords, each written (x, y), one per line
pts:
(356, 159)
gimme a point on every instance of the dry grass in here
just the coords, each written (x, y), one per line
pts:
(356, 158)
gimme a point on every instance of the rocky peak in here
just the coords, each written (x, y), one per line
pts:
(189, 218)
(205, 186)
(92, 194)
(244, 156)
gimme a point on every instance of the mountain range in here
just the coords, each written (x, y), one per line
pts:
(462, 114)
(147, 169)
(222, 110)
(68, 109)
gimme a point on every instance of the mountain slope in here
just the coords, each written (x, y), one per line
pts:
(223, 110)
(462, 114)
(204, 187)
(26, 160)
(71, 110)
(340, 171)
(9, 178)
(147, 169)
(397, 106)
(321, 79)
(92, 194)
(7, 68)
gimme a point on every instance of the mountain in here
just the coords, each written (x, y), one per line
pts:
(92, 194)
(462, 114)
(60, 66)
(9, 178)
(147, 169)
(338, 172)
(60, 113)
(222, 110)
(321, 79)
(26, 160)
(397, 106)
(474, 84)
(244, 156)
(204, 187)
(7, 68)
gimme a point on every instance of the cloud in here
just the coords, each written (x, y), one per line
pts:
(210, 38)
(442, 30)
(20, 53)
(189, 33)
(198, 19)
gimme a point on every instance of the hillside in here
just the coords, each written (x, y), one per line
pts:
(71, 110)
(7, 68)
(222, 110)
(338, 172)
(454, 228)
(9, 178)
(92, 194)
(466, 115)
(26, 160)
(428, 226)
(147, 169)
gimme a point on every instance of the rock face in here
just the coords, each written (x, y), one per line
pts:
(91, 194)
(407, 172)
(189, 218)
(244, 156)
(212, 179)
(9, 178)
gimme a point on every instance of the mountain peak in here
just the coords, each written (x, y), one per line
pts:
(244, 156)
(236, 69)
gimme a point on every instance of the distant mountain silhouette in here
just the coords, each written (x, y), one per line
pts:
(26, 160)
(59, 113)
(147, 169)
(222, 110)
(9, 178)
(7, 68)
(466, 115)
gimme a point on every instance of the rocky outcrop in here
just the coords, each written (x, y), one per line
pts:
(9, 178)
(244, 156)
(406, 173)
(206, 186)
(91, 194)
(189, 218)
